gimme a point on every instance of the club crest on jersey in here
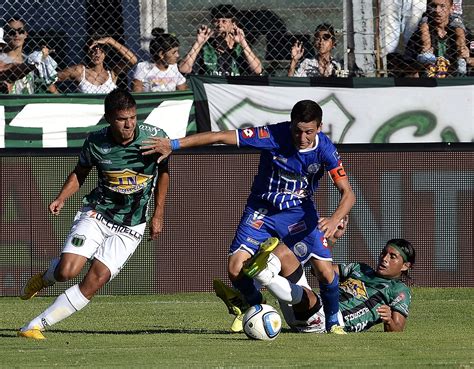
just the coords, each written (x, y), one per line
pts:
(127, 181)
(300, 249)
(313, 168)
(78, 240)
(355, 288)
(263, 132)
(248, 132)
(105, 148)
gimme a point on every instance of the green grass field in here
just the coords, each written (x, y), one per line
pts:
(190, 331)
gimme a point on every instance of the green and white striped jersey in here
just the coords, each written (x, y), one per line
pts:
(126, 178)
(362, 292)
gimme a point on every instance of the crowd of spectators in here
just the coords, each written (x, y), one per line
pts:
(432, 41)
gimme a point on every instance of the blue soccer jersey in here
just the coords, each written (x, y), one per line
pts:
(287, 176)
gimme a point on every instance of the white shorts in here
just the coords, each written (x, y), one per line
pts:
(96, 237)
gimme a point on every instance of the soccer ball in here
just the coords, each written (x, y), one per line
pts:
(262, 322)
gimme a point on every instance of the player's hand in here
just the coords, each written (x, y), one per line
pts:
(385, 313)
(341, 228)
(328, 226)
(156, 226)
(154, 145)
(56, 206)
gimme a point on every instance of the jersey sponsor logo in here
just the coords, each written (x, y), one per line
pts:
(297, 227)
(105, 161)
(248, 133)
(115, 227)
(313, 168)
(300, 249)
(336, 156)
(337, 173)
(355, 287)
(253, 241)
(105, 148)
(357, 314)
(256, 219)
(78, 240)
(126, 181)
(263, 132)
(288, 176)
(152, 129)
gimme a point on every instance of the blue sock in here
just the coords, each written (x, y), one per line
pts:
(330, 299)
(247, 288)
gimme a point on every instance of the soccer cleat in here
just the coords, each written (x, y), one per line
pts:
(258, 262)
(237, 325)
(34, 334)
(33, 286)
(337, 329)
(232, 298)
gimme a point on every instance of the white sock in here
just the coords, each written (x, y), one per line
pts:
(284, 290)
(279, 286)
(273, 268)
(48, 276)
(66, 304)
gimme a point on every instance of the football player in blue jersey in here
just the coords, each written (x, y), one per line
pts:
(294, 157)
(110, 225)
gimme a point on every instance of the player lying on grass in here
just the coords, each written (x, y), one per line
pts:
(110, 226)
(367, 296)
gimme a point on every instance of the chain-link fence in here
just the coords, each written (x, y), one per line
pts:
(359, 37)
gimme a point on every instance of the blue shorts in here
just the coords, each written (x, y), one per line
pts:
(297, 227)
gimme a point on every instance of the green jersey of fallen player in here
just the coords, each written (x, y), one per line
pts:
(362, 292)
(126, 178)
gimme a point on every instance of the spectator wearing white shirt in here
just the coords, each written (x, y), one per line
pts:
(161, 74)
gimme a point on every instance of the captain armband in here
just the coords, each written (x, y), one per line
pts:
(337, 173)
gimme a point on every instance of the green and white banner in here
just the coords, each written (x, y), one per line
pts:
(39, 121)
(370, 114)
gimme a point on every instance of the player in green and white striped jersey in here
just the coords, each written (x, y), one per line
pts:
(367, 296)
(112, 221)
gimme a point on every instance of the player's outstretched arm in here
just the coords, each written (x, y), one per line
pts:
(165, 146)
(329, 225)
(72, 184)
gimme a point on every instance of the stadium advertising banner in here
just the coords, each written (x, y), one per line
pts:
(40, 121)
(370, 114)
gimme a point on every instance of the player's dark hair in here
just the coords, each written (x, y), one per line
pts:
(118, 99)
(306, 111)
(406, 248)
(161, 42)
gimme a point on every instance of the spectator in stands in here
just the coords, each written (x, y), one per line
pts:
(443, 40)
(2, 41)
(323, 65)
(398, 18)
(455, 22)
(223, 51)
(16, 34)
(160, 74)
(94, 77)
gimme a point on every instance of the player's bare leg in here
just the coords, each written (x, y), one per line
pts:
(73, 299)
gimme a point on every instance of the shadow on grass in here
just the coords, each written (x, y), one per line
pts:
(127, 332)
